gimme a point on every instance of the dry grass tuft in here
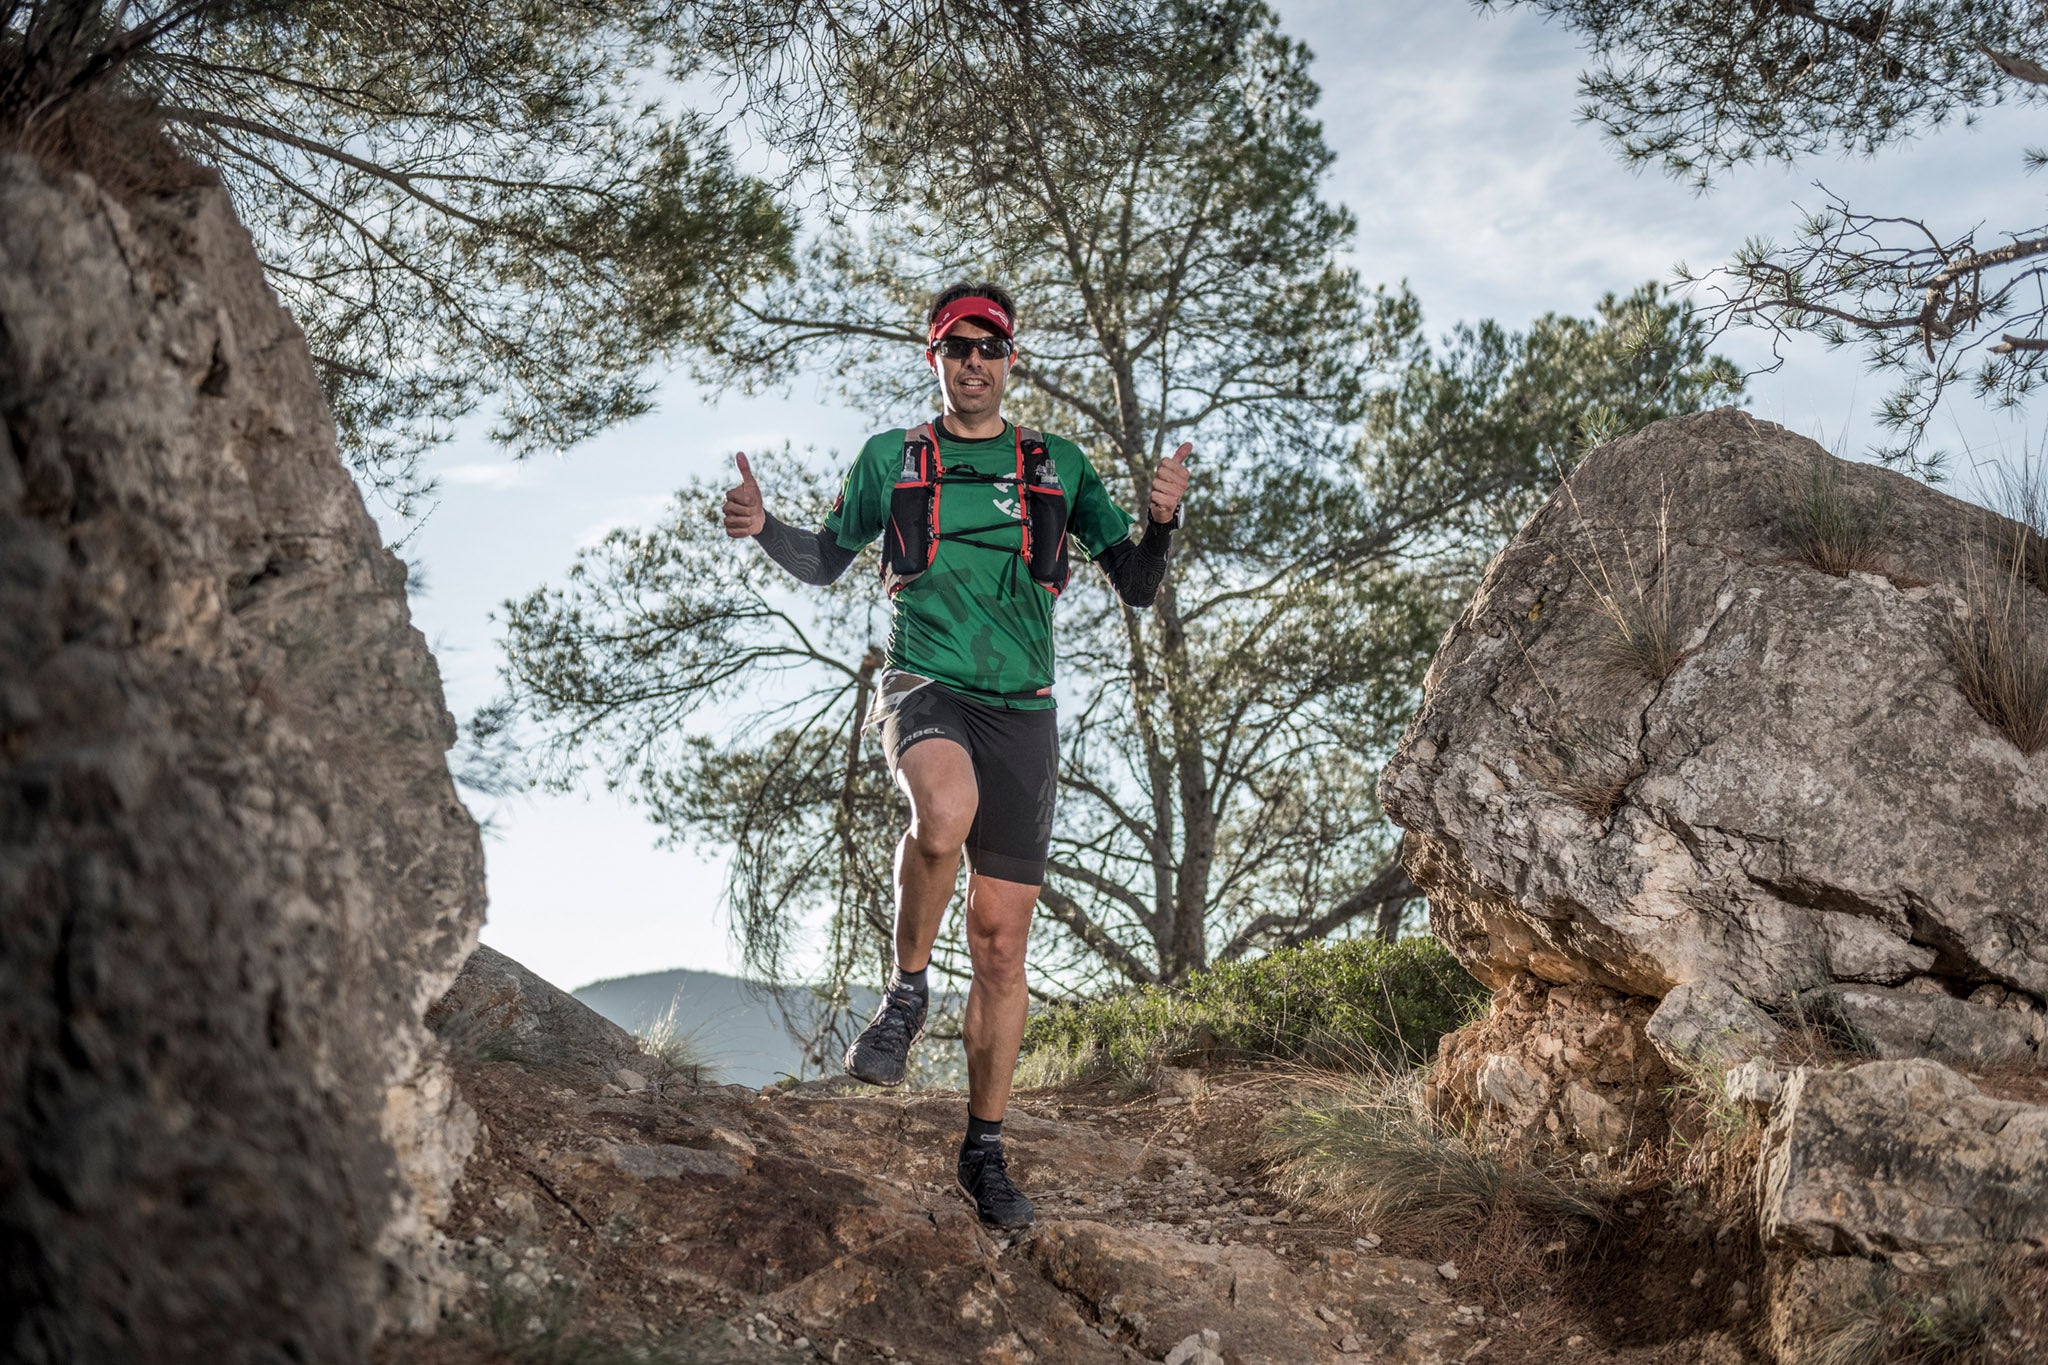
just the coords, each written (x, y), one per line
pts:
(2021, 498)
(2001, 658)
(115, 139)
(681, 1049)
(1593, 770)
(1819, 1030)
(1944, 1319)
(1643, 635)
(1837, 533)
(1367, 1149)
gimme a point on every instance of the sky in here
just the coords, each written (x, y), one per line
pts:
(1458, 150)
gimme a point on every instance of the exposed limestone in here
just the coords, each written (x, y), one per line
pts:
(1710, 1024)
(1565, 1066)
(1785, 835)
(1901, 1158)
(233, 869)
(1929, 1022)
(1806, 799)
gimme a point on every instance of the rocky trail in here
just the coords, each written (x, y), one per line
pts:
(611, 1198)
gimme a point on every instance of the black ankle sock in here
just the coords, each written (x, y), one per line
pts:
(914, 980)
(982, 1135)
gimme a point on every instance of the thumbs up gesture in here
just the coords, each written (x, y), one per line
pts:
(1169, 482)
(744, 514)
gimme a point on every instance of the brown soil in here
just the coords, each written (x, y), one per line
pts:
(822, 1224)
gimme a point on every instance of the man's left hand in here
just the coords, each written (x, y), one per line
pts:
(1169, 482)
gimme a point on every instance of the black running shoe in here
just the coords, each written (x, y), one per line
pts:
(881, 1054)
(985, 1175)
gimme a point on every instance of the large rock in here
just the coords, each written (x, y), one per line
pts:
(233, 868)
(1806, 800)
(1901, 1158)
(496, 1009)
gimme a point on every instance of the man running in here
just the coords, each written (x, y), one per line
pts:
(975, 515)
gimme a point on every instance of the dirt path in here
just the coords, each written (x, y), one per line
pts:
(816, 1224)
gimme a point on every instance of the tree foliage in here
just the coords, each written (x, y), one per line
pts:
(1178, 277)
(459, 202)
(526, 207)
(1700, 86)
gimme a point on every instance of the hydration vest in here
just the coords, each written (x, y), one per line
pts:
(912, 539)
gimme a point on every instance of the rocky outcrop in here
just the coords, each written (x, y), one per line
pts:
(1793, 793)
(233, 868)
(1714, 818)
(1902, 1159)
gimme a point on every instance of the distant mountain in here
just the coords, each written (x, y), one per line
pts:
(732, 1023)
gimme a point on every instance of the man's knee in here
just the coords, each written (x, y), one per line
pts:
(938, 827)
(997, 953)
(938, 777)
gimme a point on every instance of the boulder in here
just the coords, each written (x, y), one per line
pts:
(497, 1009)
(1901, 1159)
(233, 867)
(1804, 800)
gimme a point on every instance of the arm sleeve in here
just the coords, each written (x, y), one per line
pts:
(813, 557)
(1137, 568)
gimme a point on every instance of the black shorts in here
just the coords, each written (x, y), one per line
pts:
(1016, 756)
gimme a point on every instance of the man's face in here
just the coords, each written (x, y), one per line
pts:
(973, 386)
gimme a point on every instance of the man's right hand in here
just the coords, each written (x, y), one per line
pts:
(744, 514)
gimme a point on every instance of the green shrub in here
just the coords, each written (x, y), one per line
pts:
(1355, 1004)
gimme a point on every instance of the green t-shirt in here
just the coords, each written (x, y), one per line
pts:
(975, 620)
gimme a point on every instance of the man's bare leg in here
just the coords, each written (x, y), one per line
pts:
(938, 777)
(998, 922)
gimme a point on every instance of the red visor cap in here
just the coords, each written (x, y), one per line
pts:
(976, 309)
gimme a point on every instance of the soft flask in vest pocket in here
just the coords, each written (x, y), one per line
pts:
(911, 540)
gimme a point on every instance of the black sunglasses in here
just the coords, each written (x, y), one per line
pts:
(988, 348)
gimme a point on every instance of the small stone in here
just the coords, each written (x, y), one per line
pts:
(1369, 1242)
(1326, 1313)
(1575, 1342)
(1284, 1216)
(1755, 1083)
(1449, 1270)
(1349, 1344)
(630, 1079)
(1197, 1348)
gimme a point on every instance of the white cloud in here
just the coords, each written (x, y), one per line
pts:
(500, 474)
(626, 515)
